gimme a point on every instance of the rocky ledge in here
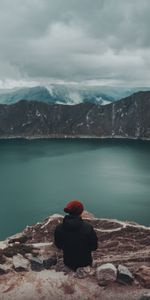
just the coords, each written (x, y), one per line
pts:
(31, 267)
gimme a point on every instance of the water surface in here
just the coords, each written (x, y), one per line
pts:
(37, 178)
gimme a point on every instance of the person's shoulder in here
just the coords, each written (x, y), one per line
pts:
(87, 226)
(58, 227)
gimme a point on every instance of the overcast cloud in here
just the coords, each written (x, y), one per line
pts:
(99, 41)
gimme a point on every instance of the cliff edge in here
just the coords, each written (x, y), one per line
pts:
(31, 267)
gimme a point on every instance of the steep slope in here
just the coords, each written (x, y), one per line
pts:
(127, 118)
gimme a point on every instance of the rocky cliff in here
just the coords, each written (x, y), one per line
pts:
(127, 118)
(32, 268)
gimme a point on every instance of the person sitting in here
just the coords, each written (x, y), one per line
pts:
(75, 237)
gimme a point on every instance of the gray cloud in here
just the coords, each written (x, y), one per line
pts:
(102, 40)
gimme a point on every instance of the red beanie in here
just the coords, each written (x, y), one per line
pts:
(74, 207)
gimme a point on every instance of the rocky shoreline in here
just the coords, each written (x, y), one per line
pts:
(31, 267)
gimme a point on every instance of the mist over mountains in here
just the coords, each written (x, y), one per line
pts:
(68, 94)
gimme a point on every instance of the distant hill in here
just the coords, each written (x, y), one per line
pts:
(67, 94)
(127, 118)
(36, 93)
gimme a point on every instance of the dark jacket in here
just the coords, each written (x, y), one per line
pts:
(77, 239)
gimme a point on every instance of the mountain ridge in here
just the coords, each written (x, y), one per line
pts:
(126, 118)
(62, 94)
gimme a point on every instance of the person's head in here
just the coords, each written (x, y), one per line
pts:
(74, 208)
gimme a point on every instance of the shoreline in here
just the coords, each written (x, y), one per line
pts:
(83, 137)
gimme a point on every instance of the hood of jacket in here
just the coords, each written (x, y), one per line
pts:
(72, 223)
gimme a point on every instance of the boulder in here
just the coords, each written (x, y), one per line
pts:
(35, 252)
(20, 263)
(47, 263)
(143, 276)
(2, 258)
(15, 249)
(145, 296)
(20, 239)
(36, 264)
(106, 274)
(124, 275)
(29, 256)
(4, 269)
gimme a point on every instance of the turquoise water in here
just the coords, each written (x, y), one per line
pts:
(37, 178)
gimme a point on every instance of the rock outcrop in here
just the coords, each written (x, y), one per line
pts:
(127, 118)
(31, 267)
(106, 273)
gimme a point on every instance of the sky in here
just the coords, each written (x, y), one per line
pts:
(99, 42)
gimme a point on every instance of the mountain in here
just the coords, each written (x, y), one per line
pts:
(67, 94)
(127, 118)
(35, 93)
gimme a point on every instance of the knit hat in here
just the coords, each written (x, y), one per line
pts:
(74, 207)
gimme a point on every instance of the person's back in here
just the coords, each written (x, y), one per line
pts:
(75, 237)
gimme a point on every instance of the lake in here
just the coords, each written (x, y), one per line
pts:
(38, 177)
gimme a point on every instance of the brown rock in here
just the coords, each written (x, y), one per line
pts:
(143, 275)
(20, 263)
(124, 276)
(36, 264)
(145, 296)
(106, 274)
(21, 239)
(2, 258)
(51, 261)
(17, 248)
(4, 269)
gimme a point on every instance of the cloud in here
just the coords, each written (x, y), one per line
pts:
(104, 40)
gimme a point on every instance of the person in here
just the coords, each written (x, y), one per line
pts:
(75, 237)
